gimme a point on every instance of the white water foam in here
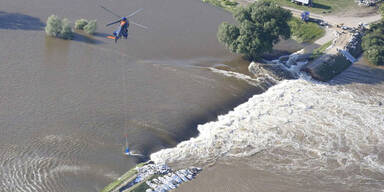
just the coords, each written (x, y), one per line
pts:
(296, 125)
(239, 76)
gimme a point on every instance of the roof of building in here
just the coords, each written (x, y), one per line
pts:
(303, 1)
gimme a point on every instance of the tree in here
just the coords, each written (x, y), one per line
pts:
(66, 29)
(381, 9)
(376, 55)
(373, 43)
(260, 26)
(91, 27)
(57, 27)
(80, 23)
(53, 27)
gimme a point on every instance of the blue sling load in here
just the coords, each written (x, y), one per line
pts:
(127, 151)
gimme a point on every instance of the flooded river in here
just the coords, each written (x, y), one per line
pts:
(299, 135)
(65, 106)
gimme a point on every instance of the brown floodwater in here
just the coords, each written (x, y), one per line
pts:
(65, 106)
(299, 135)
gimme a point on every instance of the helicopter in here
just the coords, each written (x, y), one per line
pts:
(122, 30)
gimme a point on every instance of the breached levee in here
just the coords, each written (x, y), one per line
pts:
(299, 126)
(150, 177)
(329, 65)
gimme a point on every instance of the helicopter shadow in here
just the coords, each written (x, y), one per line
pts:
(18, 21)
(85, 39)
(103, 35)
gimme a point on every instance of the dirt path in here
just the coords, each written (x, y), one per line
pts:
(351, 21)
(351, 18)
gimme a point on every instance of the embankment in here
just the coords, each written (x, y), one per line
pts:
(334, 61)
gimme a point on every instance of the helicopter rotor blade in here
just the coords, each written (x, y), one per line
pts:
(139, 25)
(109, 11)
(113, 23)
(134, 13)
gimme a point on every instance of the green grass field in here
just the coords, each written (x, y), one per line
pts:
(321, 6)
(321, 50)
(305, 32)
(121, 179)
(226, 4)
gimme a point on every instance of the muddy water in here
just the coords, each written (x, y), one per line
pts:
(314, 137)
(65, 106)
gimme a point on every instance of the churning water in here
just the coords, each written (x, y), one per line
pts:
(334, 132)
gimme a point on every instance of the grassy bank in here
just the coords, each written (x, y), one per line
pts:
(321, 6)
(122, 179)
(305, 32)
(225, 4)
(321, 50)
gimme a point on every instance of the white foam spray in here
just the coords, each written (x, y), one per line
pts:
(295, 125)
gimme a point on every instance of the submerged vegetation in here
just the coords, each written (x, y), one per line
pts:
(88, 26)
(80, 23)
(373, 43)
(260, 26)
(57, 27)
(61, 28)
(91, 27)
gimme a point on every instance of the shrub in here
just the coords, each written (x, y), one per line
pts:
(373, 44)
(376, 55)
(91, 27)
(80, 23)
(66, 30)
(53, 27)
(57, 27)
(381, 9)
